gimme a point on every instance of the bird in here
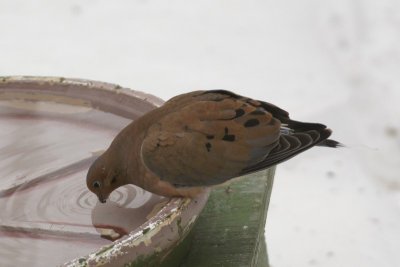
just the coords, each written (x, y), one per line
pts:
(200, 139)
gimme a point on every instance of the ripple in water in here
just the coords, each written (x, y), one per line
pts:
(38, 221)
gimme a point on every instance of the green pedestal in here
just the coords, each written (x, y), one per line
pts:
(230, 230)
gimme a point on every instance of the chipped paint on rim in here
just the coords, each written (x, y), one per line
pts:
(170, 217)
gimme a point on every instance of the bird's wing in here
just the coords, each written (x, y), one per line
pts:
(212, 136)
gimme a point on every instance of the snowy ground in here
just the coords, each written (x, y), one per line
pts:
(333, 61)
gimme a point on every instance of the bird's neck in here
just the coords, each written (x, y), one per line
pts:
(126, 149)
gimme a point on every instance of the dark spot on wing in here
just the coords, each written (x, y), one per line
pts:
(229, 137)
(209, 136)
(251, 123)
(208, 146)
(257, 112)
(239, 112)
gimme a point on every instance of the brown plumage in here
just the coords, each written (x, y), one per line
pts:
(199, 139)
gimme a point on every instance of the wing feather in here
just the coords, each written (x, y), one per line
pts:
(208, 137)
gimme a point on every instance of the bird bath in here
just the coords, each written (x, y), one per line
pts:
(51, 130)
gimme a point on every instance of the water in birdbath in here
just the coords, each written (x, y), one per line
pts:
(48, 216)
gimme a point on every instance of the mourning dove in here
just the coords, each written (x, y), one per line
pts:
(201, 139)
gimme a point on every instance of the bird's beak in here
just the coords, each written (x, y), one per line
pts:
(102, 199)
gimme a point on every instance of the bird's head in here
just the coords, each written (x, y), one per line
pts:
(103, 178)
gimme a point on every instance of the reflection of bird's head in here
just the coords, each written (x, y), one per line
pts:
(102, 178)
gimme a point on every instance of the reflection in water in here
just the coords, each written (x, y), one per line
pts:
(126, 209)
(62, 215)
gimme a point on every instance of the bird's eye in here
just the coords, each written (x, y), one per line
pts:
(96, 184)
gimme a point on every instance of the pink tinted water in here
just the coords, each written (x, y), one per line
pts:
(47, 214)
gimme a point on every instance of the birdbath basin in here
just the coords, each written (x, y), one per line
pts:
(51, 130)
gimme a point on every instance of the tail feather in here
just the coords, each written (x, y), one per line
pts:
(295, 138)
(299, 126)
(330, 143)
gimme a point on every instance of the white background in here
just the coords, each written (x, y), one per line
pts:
(331, 61)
